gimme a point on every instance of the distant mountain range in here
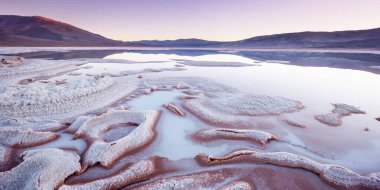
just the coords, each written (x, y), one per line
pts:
(41, 31)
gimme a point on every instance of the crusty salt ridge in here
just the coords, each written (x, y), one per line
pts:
(41, 169)
(335, 117)
(107, 152)
(79, 121)
(24, 137)
(138, 171)
(11, 60)
(75, 97)
(233, 110)
(335, 175)
(294, 123)
(237, 185)
(258, 136)
(200, 180)
(174, 109)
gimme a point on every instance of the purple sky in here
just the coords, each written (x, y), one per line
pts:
(207, 19)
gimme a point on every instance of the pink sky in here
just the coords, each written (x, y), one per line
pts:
(223, 20)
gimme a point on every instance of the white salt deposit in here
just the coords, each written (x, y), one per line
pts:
(107, 152)
(138, 171)
(254, 135)
(335, 117)
(24, 137)
(41, 169)
(335, 175)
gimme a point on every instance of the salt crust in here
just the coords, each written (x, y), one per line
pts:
(335, 117)
(138, 171)
(333, 174)
(258, 136)
(191, 181)
(106, 153)
(75, 96)
(41, 169)
(24, 137)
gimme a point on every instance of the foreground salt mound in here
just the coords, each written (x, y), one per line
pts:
(258, 136)
(25, 137)
(4, 156)
(37, 99)
(335, 117)
(11, 60)
(200, 180)
(106, 153)
(138, 171)
(41, 169)
(227, 111)
(335, 175)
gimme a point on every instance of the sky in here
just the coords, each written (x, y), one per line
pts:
(222, 20)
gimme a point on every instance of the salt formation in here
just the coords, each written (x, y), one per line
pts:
(174, 109)
(41, 169)
(138, 171)
(38, 99)
(25, 137)
(200, 180)
(107, 152)
(230, 111)
(294, 123)
(11, 60)
(257, 136)
(4, 154)
(340, 110)
(34, 123)
(225, 106)
(237, 185)
(335, 175)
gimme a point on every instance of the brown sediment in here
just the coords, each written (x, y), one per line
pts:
(335, 175)
(131, 173)
(174, 109)
(334, 118)
(378, 118)
(234, 134)
(295, 123)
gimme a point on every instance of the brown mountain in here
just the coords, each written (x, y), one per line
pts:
(41, 31)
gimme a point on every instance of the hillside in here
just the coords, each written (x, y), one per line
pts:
(41, 31)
